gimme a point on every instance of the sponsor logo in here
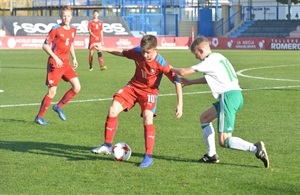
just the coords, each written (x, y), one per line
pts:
(109, 129)
(164, 43)
(261, 44)
(215, 42)
(124, 43)
(229, 43)
(32, 29)
(152, 71)
(42, 28)
(285, 44)
(245, 44)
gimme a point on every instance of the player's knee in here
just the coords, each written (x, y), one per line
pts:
(147, 117)
(112, 112)
(51, 92)
(148, 120)
(222, 143)
(204, 118)
(222, 139)
(77, 88)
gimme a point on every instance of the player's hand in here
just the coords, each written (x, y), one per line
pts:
(184, 81)
(59, 62)
(97, 46)
(75, 63)
(178, 111)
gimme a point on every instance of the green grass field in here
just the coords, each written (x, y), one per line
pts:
(56, 159)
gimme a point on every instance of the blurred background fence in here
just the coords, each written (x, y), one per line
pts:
(165, 17)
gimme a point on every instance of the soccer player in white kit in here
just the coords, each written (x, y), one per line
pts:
(222, 80)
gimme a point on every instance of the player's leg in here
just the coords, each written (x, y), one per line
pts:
(52, 80)
(148, 107)
(91, 53)
(101, 62)
(149, 137)
(71, 93)
(45, 105)
(209, 135)
(70, 76)
(111, 126)
(228, 141)
(230, 103)
(123, 100)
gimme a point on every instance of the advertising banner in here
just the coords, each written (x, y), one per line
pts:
(40, 26)
(255, 43)
(81, 42)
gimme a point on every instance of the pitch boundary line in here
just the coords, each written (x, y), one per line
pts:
(161, 95)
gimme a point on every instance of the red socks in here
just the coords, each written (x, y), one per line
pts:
(44, 106)
(66, 98)
(100, 60)
(149, 135)
(111, 126)
(91, 61)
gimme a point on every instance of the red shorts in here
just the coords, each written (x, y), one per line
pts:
(54, 74)
(92, 41)
(129, 95)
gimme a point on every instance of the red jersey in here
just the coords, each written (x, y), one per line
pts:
(95, 27)
(61, 40)
(148, 75)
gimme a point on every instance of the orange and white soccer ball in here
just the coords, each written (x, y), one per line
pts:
(121, 151)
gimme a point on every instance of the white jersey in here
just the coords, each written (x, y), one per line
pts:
(219, 74)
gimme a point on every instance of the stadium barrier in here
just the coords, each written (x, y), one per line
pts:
(81, 42)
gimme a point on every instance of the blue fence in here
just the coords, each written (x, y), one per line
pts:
(163, 16)
(155, 23)
(177, 3)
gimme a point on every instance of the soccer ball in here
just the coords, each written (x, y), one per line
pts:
(121, 151)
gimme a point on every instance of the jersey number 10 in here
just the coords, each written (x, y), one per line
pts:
(230, 71)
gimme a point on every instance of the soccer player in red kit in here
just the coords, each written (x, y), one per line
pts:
(58, 45)
(95, 28)
(141, 89)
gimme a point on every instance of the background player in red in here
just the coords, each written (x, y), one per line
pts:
(141, 89)
(95, 28)
(58, 45)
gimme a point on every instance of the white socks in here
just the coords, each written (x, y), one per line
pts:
(231, 142)
(240, 144)
(209, 137)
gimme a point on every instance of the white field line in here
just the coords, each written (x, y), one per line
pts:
(161, 95)
(190, 93)
(240, 73)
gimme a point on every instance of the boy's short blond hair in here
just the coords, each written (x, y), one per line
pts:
(66, 8)
(198, 41)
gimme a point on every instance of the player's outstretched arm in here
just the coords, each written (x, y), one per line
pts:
(114, 51)
(187, 82)
(183, 71)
